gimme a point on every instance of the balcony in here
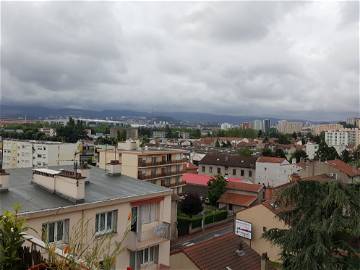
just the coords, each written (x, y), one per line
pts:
(159, 175)
(182, 183)
(149, 234)
(142, 163)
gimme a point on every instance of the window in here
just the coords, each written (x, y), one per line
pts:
(106, 222)
(56, 231)
(242, 172)
(218, 170)
(230, 207)
(234, 171)
(210, 169)
(203, 168)
(250, 173)
(134, 211)
(148, 255)
(149, 213)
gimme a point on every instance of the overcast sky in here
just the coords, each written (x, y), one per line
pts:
(284, 59)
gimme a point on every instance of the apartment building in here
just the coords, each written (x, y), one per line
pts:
(57, 203)
(311, 149)
(317, 129)
(160, 167)
(340, 139)
(50, 132)
(27, 154)
(287, 127)
(228, 165)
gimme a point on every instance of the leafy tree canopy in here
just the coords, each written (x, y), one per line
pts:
(216, 187)
(192, 204)
(323, 219)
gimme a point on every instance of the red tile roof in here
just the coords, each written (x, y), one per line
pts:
(244, 186)
(343, 167)
(230, 160)
(237, 199)
(220, 252)
(202, 179)
(270, 159)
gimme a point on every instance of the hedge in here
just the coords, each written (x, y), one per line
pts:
(183, 221)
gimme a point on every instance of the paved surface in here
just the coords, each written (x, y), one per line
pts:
(189, 240)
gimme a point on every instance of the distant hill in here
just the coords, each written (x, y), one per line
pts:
(35, 112)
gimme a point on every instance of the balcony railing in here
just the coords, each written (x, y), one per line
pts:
(149, 234)
(159, 175)
(142, 163)
(182, 183)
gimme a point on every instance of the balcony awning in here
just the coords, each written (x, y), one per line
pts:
(147, 201)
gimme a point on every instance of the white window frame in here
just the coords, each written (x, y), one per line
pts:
(149, 260)
(65, 232)
(106, 229)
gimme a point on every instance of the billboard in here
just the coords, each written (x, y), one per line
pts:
(243, 229)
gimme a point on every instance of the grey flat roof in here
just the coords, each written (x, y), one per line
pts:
(101, 187)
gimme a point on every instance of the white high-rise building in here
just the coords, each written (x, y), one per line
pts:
(26, 154)
(258, 124)
(340, 139)
(226, 126)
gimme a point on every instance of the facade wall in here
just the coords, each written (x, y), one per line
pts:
(274, 174)
(180, 261)
(262, 218)
(212, 170)
(79, 216)
(106, 156)
(316, 168)
(311, 149)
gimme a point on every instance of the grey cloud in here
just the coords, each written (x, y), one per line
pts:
(234, 57)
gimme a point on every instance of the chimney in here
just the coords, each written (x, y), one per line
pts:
(67, 184)
(114, 167)
(264, 262)
(4, 180)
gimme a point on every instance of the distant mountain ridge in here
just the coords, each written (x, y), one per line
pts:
(35, 112)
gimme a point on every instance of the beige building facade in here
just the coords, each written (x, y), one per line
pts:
(135, 213)
(262, 218)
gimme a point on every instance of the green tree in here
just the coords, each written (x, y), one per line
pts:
(267, 152)
(11, 239)
(283, 139)
(191, 205)
(299, 155)
(345, 156)
(323, 219)
(217, 144)
(246, 152)
(216, 187)
(279, 153)
(72, 131)
(325, 152)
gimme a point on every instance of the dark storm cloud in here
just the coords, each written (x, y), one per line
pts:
(277, 59)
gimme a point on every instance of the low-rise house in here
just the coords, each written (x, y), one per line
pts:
(274, 171)
(239, 195)
(311, 149)
(228, 165)
(198, 183)
(190, 168)
(337, 168)
(56, 202)
(262, 217)
(220, 253)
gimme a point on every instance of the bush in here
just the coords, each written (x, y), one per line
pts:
(191, 205)
(196, 222)
(215, 216)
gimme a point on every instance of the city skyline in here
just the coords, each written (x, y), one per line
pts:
(297, 62)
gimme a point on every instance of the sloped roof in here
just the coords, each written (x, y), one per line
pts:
(219, 253)
(230, 160)
(229, 197)
(344, 167)
(202, 179)
(264, 159)
(244, 186)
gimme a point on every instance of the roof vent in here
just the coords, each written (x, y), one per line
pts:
(240, 252)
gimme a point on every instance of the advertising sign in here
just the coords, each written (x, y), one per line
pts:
(243, 229)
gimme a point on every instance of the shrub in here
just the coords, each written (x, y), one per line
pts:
(191, 205)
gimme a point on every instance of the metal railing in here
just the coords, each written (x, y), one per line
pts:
(142, 163)
(159, 175)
